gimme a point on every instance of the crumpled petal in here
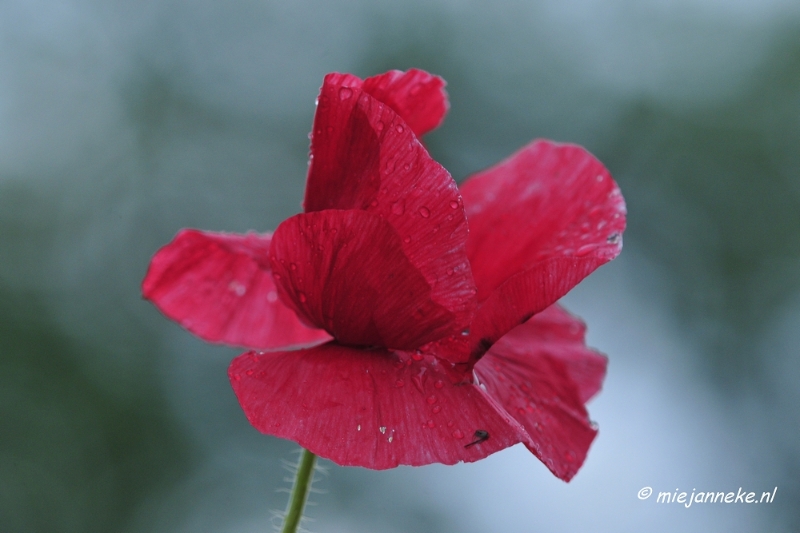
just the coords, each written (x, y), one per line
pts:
(346, 272)
(219, 286)
(562, 335)
(371, 408)
(542, 374)
(365, 157)
(417, 96)
(540, 221)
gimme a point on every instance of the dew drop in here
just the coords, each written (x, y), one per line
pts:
(237, 288)
(585, 249)
(436, 409)
(407, 240)
(450, 424)
(417, 356)
(439, 384)
(374, 203)
(465, 332)
(272, 296)
(431, 424)
(399, 207)
(237, 377)
(276, 276)
(399, 383)
(424, 212)
(431, 400)
(457, 434)
(302, 297)
(382, 429)
(379, 126)
(358, 428)
(293, 266)
(454, 204)
(345, 93)
(599, 177)
(400, 128)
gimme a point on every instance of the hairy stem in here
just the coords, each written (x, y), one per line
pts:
(302, 485)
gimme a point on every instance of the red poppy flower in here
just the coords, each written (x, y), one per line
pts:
(415, 339)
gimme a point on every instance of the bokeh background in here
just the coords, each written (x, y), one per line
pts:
(122, 122)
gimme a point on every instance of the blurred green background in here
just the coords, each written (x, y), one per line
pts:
(122, 122)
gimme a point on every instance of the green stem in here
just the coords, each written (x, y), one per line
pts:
(302, 485)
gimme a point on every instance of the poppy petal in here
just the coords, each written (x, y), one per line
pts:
(533, 380)
(559, 334)
(219, 286)
(346, 272)
(364, 156)
(540, 222)
(417, 96)
(371, 408)
(547, 200)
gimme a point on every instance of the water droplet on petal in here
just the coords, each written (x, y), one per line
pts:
(407, 240)
(399, 207)
(457, 434)
(345, 93)
(450, 424)
(436, 409)
(237, 377)
(431, 400)
(431, 424)
(379, 126)
(382, 429)
(399, 383)
(302, 297)
(454, 204)
(400, 128)
(293, 266)
(585, 249)
(439, 384)
(417, 356)
(276, 276)
(374, 203)
(272, 296)
(424, 212)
